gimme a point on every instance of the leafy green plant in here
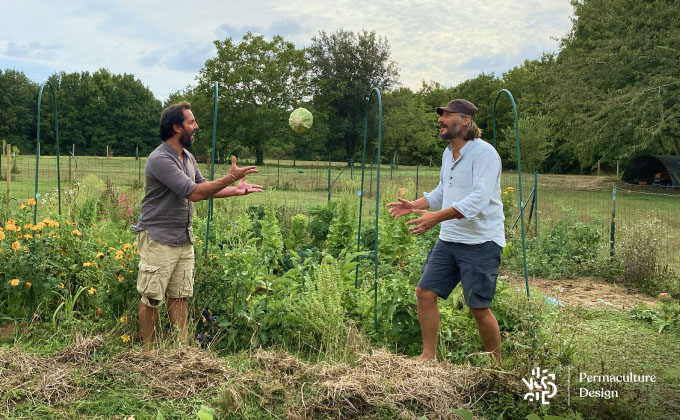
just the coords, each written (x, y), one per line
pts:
(342, 231)
(322, 217)
(297, 235)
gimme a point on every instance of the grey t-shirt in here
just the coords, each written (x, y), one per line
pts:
(167, 213)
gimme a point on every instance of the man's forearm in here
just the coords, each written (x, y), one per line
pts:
(421, 204)
(211, 188)
(225, 192)
(448, 214)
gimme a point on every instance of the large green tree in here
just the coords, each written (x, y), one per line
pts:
(18, 104)
(411, 133)
(616, 80)
(345, 67)
(260, 82)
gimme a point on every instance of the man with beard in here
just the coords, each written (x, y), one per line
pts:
(472, 233)
(164, 234)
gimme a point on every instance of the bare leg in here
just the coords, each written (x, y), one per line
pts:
(177, 312)
(488, 331)
(148, 317)
(428, 315)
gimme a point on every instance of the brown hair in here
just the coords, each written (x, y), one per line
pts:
(174, 114)
(472, 131)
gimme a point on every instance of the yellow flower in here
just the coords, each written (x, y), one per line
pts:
(38, 226)
(28, 225)
(123, 319)
(37, 235)
(76, 232)
(118, 257)
(61, 285)
(16, 245)
(23, 207)
(120, 278)
(126, 246)
(14, 282)
(28, 284)
(100, 255)
(125, 338)
(2, 235)
(119, 253)
(28, 236)
(87, 264)
(10, 225)
(92, 291)
(31, 202)
(25, 248)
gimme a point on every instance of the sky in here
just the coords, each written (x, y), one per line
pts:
(165, 43)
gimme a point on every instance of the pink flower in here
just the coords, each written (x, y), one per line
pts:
(663, 295)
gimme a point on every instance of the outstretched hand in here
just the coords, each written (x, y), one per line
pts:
(422, 224)
(240, 173)
(243, 188)
(400, 208)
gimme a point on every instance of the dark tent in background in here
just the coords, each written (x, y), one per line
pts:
(654, 170)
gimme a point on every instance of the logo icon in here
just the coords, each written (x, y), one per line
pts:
(540, 388)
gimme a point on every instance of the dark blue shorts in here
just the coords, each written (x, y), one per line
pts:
(474, 266)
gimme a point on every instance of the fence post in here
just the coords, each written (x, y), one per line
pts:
(392, 167)
(278, 172)
(9, 170)
(139, 167)
(613, 228)
(416, 193)
(536, 201)
(370, 184)
(329, 180)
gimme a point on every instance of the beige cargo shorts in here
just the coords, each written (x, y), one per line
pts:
(164, 270)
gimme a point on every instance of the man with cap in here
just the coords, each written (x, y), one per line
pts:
(472, 233)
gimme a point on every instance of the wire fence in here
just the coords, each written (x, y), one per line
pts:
(298, 185)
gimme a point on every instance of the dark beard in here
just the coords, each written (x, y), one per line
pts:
(450, 132)
(186, 140)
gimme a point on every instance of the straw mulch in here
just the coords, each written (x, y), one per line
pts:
(376, 381)
(382, 379)
(178, 373)
(46, 379)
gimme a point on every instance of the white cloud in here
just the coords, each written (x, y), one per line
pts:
(165, 43)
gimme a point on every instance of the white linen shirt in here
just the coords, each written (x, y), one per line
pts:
(472, 185)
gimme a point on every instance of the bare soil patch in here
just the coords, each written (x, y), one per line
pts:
(586, 292)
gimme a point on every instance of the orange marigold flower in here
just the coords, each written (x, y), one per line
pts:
(76, 232)
(87, 264)
(28, 284)
(31, 202)
(14, 282)
(23, 207)
(28, 236)
(100, 255)
(2, 235)
(120, 278)
(16, 245)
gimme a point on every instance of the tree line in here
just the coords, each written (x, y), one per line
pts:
(608, 94)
